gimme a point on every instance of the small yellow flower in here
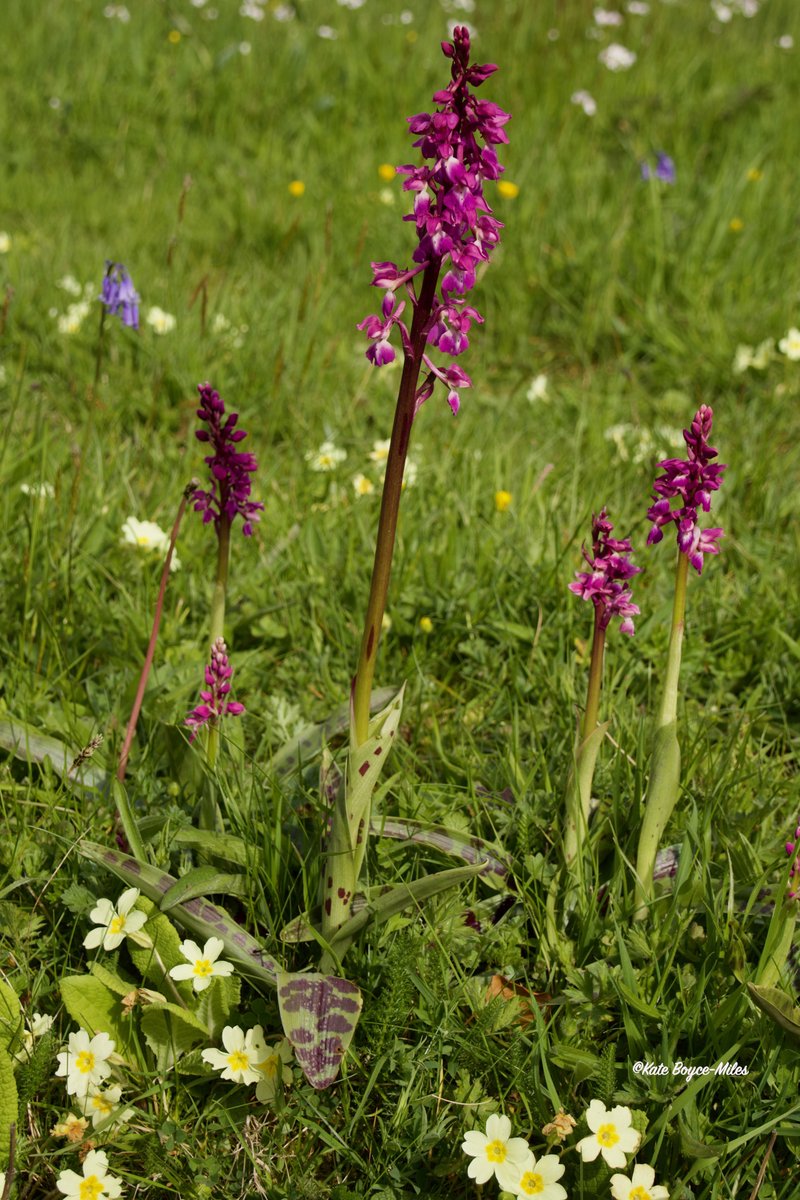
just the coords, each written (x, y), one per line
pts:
(507, 189)
(386, 623)
(5, 242)
(736, 225)
(174, 36)
(297, 188)
(502, 501)
(753, 175)
(386, 172)
(426, 624)
(363, 486)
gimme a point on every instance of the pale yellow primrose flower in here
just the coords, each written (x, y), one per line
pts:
(5, 242)
(639, 1186)
(202, 964)
(493, 1149)
(148, 536)
(363, 486)
(37, 1026)
(160, 321)
(114, 924)
(101, 1104)
(84, 1062)
(380, 450)
(535, 1177)
(790, 345)
(94, 1184)
(612, 1135)
(274, 1068)
(326, 458)
(238, 1060)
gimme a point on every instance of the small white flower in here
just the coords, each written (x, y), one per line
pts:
(493, 1149)
(380, 451)
(327, 32)
(202, 964)
(607, 17)
(284, 12)
(275, 1069)
(41, 491)
(748, 8)
(722, 12)
(785, 42)
(238, 1061)
(5, 242)
(351, 3)
(117, 10)
(638, 8)
(160, 321)
(244, 48)
(37, 1026)
(148, 536)
(386, 196)
(362, 486)
(538, 389)
(69, 284)
(115, 924)
(534, 1177)
(84, 1062)
(616, 57)
(410, 473)
(100, 1104)
(94, 1184)
(220, 323)
(612, 1134)
(253, 11)
(73, 318)
(639, 1186)
(327, 458)
(790, 345)
(586, 100)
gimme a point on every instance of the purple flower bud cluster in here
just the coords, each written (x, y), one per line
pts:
(792, 848)
(119, 295)
(663, 170)
(606, 583)
(214, 704)
(691, 480)
(230, 468)
(454, 223)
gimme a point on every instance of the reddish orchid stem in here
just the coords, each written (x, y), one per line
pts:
(151, 646)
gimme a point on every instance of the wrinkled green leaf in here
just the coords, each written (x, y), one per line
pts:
(777, 1006)
(203, 881)
(319, 1015)
(95, 1008)
(171, 1031)
(11, 1020)
(110, 979)
(8, 1104)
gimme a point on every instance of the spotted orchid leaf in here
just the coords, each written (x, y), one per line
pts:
(308, 742)
(450, 841)
(319, 1015)
(197, 916)
(26, 743)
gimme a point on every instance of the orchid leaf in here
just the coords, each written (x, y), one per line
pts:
(27, 744)
(364, 766)
(450, 841)
(777, 1006)
(203, 881)
(224, 846)
(319, 1015)
(311, 738)
(198, 916)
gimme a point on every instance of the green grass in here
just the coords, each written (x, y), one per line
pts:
(632, 299)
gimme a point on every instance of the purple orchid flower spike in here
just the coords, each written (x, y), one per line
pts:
(793, 850)
(231, 469)
(664, 169)
(606, 583)
(119, 295)
(214, 697)
(455, 227)
(690, 480)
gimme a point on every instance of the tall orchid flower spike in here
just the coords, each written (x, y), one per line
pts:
(456, 233)
(228, 497)
(607, 585)
(691, 481)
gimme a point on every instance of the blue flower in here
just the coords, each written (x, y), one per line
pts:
(664, 169)
(119, 295)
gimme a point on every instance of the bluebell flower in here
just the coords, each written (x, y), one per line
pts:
(664, 169)
(119, 295)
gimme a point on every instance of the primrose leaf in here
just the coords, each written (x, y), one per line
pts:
(319, 1015)
(97, 1009)
(171, 1031)
(10, 1016)
(8, 1104)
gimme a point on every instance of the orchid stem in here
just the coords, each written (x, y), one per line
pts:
(390, 503)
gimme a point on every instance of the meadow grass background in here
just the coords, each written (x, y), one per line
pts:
(632, 299)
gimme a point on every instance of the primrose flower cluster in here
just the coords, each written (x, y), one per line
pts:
(455, 227)
(510, 1160)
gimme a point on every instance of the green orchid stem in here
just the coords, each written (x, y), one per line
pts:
(665, 763)
(151, 646)
(390, 502)
(217, 631)
(579, 784)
